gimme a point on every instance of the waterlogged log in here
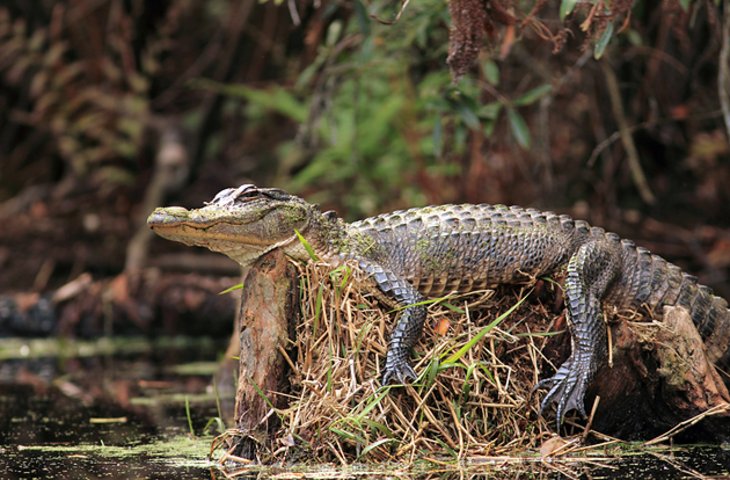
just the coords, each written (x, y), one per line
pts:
(268, 311)
(661, 377)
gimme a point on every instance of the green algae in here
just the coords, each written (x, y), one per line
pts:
(181, 450)
(195, 368)
(23, 348)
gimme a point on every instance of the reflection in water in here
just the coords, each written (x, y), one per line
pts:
(113, 409)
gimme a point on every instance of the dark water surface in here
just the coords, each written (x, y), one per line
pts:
(119, 409)
(109, 408)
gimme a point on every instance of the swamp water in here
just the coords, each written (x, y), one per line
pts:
(125, 408)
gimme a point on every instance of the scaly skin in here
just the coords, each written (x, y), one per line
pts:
(413, 254)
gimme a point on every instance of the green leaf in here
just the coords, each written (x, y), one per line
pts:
(430, 373)
(566, 7)
(490, 110)
(519, 128)
(348, 435)
(428, 301)
(453, 308)
(467, 115)
(685, 5)
(277, 99)
(306, 245)
(317, 310)
(438, 138)
(491, 72)
(379, 427)
(189, 417)
(238, 286)
(341, 273)
(362, 17)
(531, 96)
(466, 386)
(370, 406)
(333, 33)
(602, 42)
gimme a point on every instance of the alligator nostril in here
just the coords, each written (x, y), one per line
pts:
(162, 216)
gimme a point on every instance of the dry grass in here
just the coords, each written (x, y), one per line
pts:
(471, 410)
(478, 361)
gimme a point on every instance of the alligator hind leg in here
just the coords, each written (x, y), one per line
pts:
(590, 271)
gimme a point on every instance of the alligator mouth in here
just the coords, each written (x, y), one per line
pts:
(203, 234)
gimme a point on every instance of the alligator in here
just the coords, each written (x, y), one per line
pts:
(410, 255)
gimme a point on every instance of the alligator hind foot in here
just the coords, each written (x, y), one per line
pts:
(567, 388)
(398, 372)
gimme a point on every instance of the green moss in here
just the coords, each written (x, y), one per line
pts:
(424, 251)
(178, 450)
(294, 214)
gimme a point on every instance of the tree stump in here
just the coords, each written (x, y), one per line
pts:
(660, 377)
(268, 311)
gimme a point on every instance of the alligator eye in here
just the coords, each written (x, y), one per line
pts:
(247, 190)
(220, 196)
(232, 195)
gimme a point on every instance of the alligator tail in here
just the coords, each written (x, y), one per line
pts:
(649, 281)
(711, 316)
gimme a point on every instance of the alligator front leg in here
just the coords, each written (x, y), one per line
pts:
(407, 331)
(590, 271)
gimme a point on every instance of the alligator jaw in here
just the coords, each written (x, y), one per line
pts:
(185, 226)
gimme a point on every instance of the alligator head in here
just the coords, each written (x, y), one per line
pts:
(243, 223)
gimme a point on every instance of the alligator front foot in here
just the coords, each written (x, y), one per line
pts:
(567, 388)
(398, 372)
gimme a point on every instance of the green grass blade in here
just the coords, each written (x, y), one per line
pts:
(238, 286)
(187, 414)
(430, 301)
(455, 357)
(307, 246)
(348, 435)
(375, 445)
(370, 406)
(379, 427)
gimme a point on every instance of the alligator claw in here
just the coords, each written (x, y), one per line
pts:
(567, 389)
(400, 372)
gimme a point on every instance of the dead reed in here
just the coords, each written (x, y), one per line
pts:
(478, 360)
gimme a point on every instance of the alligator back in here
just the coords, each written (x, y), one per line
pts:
(468, 247)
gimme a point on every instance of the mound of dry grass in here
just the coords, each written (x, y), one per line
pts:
(478, 360)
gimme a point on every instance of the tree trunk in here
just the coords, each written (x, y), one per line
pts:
(268, 310)
(660, 377)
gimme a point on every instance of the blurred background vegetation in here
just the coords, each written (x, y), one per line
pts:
(609, 111)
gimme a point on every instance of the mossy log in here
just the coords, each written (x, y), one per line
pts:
(268, 308)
